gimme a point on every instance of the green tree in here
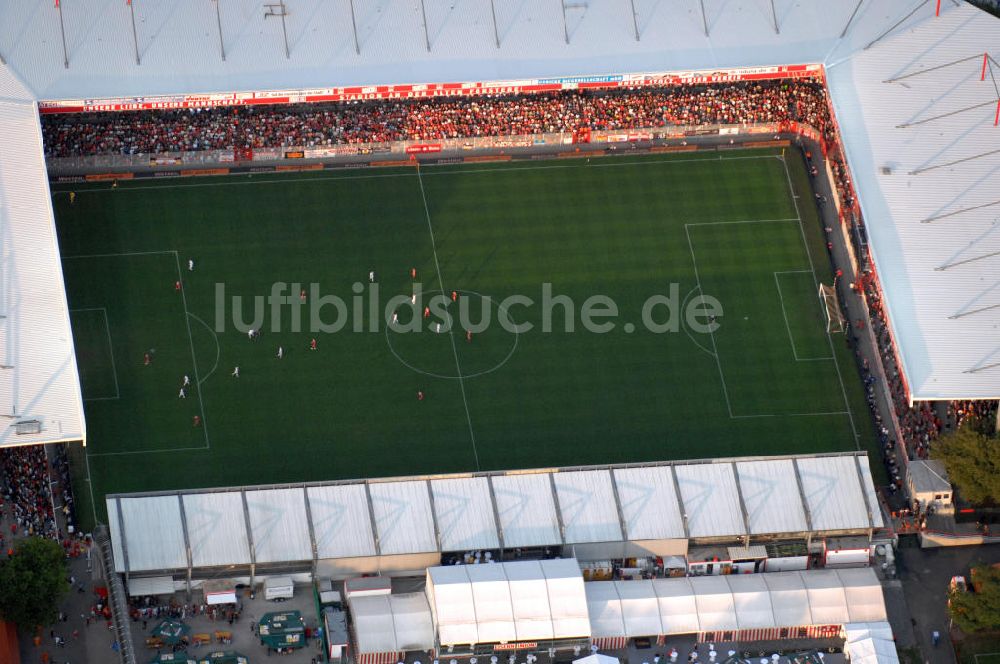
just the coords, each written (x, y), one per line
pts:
(978, 611)
(32, 582)
(973, 463)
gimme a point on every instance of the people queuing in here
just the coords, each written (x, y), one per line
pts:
(435, 118)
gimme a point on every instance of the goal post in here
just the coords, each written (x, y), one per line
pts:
(831, 306)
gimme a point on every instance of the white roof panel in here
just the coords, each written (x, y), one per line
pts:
(412, 621)
(279, 525)
(153, 533)
(491, 594)
(373, 624)
(640, 608)
(464, 513)
(216, 529)
(833, 491)
(529, 598)
(41, 386)
(527, 510)
(711, 499)
(341, 521)
(454, 605)
(863, 592)
(588, 508)
(716, 610)
(403, 517)
(789, 599)
(752, 601)
(827, 601)
(605, 609)
(771, 496)
(567, 599)
(678, 607)
(649, 503)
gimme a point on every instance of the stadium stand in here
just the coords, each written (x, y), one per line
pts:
(317, 125)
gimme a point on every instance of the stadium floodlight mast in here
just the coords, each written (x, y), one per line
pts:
(562, 5)
(282, 12)
(704, 17)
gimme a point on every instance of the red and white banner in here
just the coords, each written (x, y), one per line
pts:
(415, 91)
(770, 634)
(380, 657)
(422, 148)
(516, 645)
(610, 642)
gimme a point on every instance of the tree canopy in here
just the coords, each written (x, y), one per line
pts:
(978, 611)
(32, 582)
(973, 463)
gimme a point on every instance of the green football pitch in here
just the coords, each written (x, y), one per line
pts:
(740, 227)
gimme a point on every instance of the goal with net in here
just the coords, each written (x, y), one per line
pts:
(831, 305)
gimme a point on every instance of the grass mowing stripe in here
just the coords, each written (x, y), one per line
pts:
(451, 331)
(805, 244)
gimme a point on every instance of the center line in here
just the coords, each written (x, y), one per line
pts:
(451, 331)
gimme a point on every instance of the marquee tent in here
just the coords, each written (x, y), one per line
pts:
(517, 601)
(748, 604)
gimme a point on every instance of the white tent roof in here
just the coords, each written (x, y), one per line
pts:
(711, 499)
(341, 521)
(217, 529)
(714, 599)
(464, 512)
(749, 601)
(649, 503)
(752, 601)
(453, 604)
(827, 602)
(588, 507)
(40, 398)
(873, 651)
(392, 623)
(640, 608)
(279, 525)
(493, 610)
(405, 515)
(604, 605)
(527, 510)
(412, 621)
(678, 607)
(529, 600)
(789, 599)
(858, 631)
(771, 495)
(833, 491)
(373, 624)
(519, 601)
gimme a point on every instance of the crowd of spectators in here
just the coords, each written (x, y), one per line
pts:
(328, 124)
(27, 498)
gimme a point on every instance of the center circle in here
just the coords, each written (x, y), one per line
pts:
(477, 339)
